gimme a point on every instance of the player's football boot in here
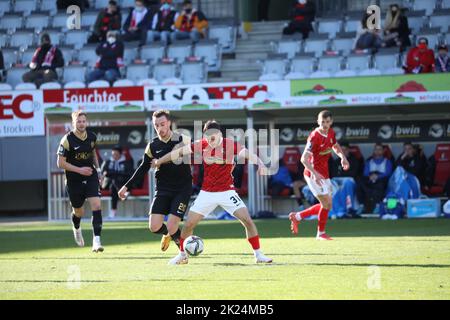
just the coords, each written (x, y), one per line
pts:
(180, 258)
(323, 237)
(260, 258)
(78, 236)
(294, 222)
(96, 245)
(165, 242)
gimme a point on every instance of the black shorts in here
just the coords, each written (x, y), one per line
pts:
(172, 201)
(80, 190)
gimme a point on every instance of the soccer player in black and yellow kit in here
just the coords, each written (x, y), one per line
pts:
(173, 182)
(76, 155)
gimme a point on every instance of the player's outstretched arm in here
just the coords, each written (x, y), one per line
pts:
(63, 164)
(254, 159)
(344, 162)
(139, 173)
(172, 156)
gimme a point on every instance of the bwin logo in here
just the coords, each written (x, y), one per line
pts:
(74, 20)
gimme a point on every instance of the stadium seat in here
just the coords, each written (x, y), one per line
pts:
(352, 25)
(11, 21)
(75, 85)
(60, 21)
(37, 21)
(147, 82)
(345, 74)
(386, 60)
(344, 43)
(14, 75)
(442, 169)
(22, 38)
(98, 84)
(179, 51)
(25, 86)
(130, 53)
(25, 6)
(320, 75)
(290, 46)
(291, 158)
(447, 38)
(441, 19)
(137, 71)
(3, 39)
(427, 5)
(388, 153)
(226, 36)
(101, 4)
(123, 83)
(50, 85)
(332, 64)
(210, 52)
(416, 20)
(143, 191)
(445, 4)
(67, 53)
(5, 6)
(88, 18)
(5, 87)
(357, 62)
(74, 73)
(302, 64)
(192, 72)
(317, 43)
(10, 56)
(153, 52)
(87, 55)
(49, 5)
(330, 27)
(164, 70)
(274, 67)
(77, 38)
(127, 3)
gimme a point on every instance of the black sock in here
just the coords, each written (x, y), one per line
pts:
(162, 230)
(76, 221)
(97, 221)
(176, 237)
(299, 201)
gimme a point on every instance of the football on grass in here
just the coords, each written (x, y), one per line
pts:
(193, 245)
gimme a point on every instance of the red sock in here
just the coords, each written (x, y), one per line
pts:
(254, 241)
(181, 244)
(323, 217)
(311, 211)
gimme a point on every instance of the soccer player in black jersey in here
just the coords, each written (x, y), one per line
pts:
(173, 182)
(76, 155)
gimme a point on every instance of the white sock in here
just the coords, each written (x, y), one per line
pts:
(319, 233)
(96, 238)
(298, 216)
(257, 252)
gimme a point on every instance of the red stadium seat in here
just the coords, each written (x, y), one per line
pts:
(144, 190)
(388, 153)
(442, 170)
(356, 151)
(291, 159)
(127, 154)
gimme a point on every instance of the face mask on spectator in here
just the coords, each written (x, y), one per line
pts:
(111, 40)
(422, 46)
(188, 10)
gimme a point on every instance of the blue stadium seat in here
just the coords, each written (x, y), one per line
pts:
(14, 75)
(330, 26)
(74, 73)
(226, 35)
(192, 72)
(331, 64)
(137, 71)
(163, 70)
(25, 7)
(11, 21)
(37, 21)
(289, 45)
(153, 52)
(317, 44)
(210, 52)
(179, 51)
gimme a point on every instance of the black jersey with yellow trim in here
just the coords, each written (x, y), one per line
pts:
(78, 151)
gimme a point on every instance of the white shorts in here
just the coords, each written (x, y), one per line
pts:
(319, 190)
(206, 202)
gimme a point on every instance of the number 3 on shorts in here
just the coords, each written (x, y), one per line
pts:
(236, 200)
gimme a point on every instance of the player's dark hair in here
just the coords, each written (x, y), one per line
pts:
(211, 124)
(378, 144)
(162, 113)
(117, 148)
(408, 143)
(326, 114)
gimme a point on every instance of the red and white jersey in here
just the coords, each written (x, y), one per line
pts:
(218, 164)
(320, 146)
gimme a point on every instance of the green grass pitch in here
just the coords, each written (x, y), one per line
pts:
(369, 259)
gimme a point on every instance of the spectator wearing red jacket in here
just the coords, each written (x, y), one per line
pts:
(420, 59)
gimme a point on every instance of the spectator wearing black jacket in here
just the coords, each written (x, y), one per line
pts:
(163, 23)
(442, 59)
(137, 24)
(303, 14)
(336, 170)
(396, 28)
(108, 19)
(111, 59)
(413, 161)
(115, 172)
(44, 62)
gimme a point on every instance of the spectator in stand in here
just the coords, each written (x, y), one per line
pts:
(111, 59)
(420, 59)
(413, 161)
(138, 21)
(163, 22)
(396, 28)
(283, 179)
(335, 166)
(303, 14)
(44, 62)
(108, 19)
(190, 24)
(115, 173)
(377, 171)
(367, 38)
(442, 60)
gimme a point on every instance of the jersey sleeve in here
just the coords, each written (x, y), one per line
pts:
(148, 151)
(310, 144)
(64, 147)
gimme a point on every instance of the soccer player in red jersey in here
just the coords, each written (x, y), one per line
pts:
(321, 142)
(217, 189)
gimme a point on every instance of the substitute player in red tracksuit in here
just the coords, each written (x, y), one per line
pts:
(217, 189)
(321, 142)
